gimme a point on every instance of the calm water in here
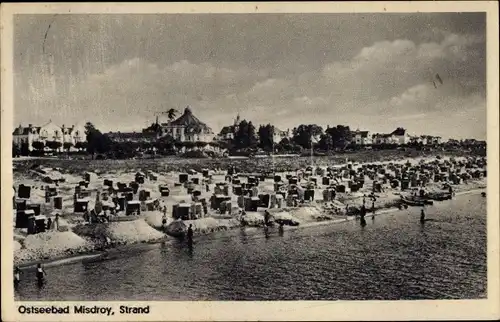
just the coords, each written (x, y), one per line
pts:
(393, 257)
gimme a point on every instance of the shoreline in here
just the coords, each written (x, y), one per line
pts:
(95, 254)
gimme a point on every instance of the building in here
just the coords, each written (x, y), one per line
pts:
(397, 137)
(48, 133)
(418, 139)
(400, 136)
(187, 128)
(435, 140)
(227, 132)
(362, 137)
(380, 138)
(279, 135)
(74, 134)
(425, 140)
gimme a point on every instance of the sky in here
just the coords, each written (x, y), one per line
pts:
(369, 71)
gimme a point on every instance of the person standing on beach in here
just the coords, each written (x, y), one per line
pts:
(281, 230)
(40, 274)
(190, 235)
(267, 216)
(17, 276)
(108, 242)
(164, 220)
(363, 211)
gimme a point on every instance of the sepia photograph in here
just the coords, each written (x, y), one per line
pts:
(248, 156)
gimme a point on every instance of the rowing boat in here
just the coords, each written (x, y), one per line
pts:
(417, 202)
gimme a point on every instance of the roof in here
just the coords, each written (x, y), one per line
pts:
(381, 135)
(364, 134)
(227, 130)
(25, 130)
(188, 119)
(399, 131)
(21, 131)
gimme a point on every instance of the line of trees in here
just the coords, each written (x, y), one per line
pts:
(248, 139)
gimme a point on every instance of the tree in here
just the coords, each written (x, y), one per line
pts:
(171, 114)
(240, 137)
(97, 142)
(200, 144)
(189, 145)
(16, 151)
(303, 134)
(326, 142)
(288, 146)
(165, 144)
(252, 136)
(53, 145)
(341, 136)
(123, 150)
(25, 149)
(246, 136)
(266, 137)
(145, 145)
(178, 145)
(38, 145)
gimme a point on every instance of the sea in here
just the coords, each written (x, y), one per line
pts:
(392, 257)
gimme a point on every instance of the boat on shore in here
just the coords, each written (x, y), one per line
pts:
(440, 196)
(416, 202)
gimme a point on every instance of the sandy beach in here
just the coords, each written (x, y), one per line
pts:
(73, 238)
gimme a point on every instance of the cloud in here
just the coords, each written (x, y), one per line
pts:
(409, 117)
(388, 81)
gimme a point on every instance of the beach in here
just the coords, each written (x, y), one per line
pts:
(75, 237)
(393, 257)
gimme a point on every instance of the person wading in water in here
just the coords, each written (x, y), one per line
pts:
(422, 216)
(40, 274)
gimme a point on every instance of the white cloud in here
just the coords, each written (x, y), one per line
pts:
(390, 79)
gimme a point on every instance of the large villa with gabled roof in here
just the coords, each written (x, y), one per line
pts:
(186, 128)
(49, 132)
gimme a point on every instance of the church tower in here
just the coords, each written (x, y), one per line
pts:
(237, 123)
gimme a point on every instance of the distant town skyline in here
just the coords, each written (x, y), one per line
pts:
(375, 72)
